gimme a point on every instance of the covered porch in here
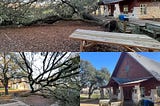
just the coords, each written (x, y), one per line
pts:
(131, 91)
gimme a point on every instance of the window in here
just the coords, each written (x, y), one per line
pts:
(158, 91)
(142, 91)
(125, 9)
(143, 9)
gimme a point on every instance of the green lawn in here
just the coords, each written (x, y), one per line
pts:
(8, 89)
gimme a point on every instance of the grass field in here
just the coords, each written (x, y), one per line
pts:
(1, 89)
(94, 101)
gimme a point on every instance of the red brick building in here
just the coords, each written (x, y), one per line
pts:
(133, 8)
(135, 77)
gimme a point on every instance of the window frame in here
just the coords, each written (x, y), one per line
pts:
(143, 9)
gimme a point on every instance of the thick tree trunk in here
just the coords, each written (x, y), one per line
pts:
(32, 88)
(89, 17)
(90, 91)
(89, 96)
(5, 84)
(46, 20)
(6, 90)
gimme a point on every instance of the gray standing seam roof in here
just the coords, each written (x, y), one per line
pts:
(111, 1)
(151, 66)
(128, 81)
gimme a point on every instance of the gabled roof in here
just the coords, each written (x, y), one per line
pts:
(126, 81)
(121, 80)
(151, 66)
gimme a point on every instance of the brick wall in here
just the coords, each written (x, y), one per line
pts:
(150, 84)
(135, 69)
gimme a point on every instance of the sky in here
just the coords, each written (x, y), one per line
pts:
(110, 59)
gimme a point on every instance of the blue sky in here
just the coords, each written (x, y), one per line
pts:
(109, 59)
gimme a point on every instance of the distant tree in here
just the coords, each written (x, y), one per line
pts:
(104, 76)
(48, 69)
(92, 78)
(8, 69)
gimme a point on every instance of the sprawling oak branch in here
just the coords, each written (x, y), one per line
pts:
(53, 67)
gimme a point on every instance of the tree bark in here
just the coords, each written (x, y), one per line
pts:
(46, 20)
(91, 89)
(32, 88)
(5, 83)
(6, 90)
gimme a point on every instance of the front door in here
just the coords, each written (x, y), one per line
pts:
(127, 92)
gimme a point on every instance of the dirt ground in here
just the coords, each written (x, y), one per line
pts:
(53, 37)
(89, 102)
(6, 101)
(83, 104)
(36, 100)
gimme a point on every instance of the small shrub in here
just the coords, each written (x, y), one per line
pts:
(68, 97)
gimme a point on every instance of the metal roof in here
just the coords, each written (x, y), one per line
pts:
(151, 66)
(122, 81)
(111, 1)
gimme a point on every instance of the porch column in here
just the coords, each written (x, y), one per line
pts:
(136, 95)
(116, 11)
(154, 95)
(120, 94)
(101, 10)
(97, 12)
(106, 12)
(110, 92)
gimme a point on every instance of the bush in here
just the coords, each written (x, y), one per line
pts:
(67, 97)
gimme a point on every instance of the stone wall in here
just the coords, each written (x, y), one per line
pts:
(153, 11)
(120, 94)
(136, 95)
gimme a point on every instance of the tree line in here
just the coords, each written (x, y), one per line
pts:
(92, 78)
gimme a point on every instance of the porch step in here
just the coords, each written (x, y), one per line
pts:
(128, 103)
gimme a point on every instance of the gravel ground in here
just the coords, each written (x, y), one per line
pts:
(43, 38)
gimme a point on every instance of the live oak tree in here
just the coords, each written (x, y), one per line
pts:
(48, 69)
(92, 78)
(8, 69)
(103, 78)
(28, 12)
